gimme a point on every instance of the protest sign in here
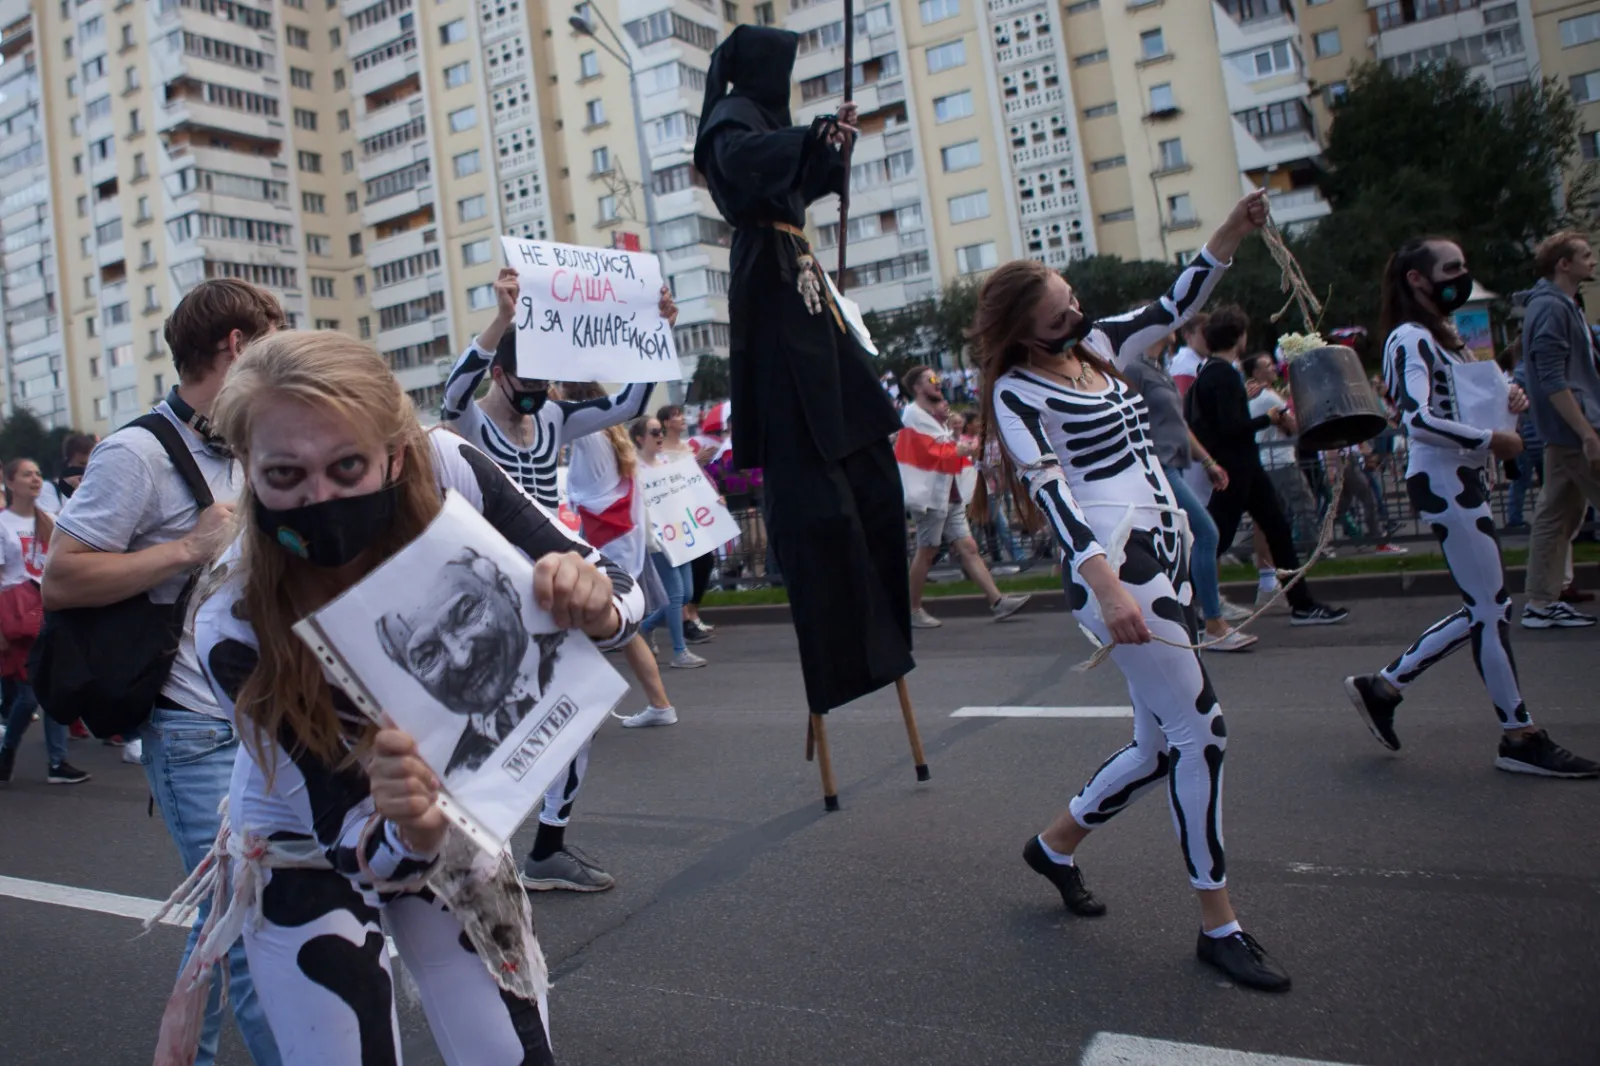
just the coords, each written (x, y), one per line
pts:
(684, 510)
(589, 314)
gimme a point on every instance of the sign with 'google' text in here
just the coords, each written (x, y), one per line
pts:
(589, 314)
(684, 510)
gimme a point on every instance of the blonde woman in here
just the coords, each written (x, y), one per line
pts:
(336, 816)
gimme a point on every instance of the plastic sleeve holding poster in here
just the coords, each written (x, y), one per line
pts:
(590, 314)
(688, 518)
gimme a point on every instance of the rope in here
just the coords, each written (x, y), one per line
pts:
(1287, 578)
(1292, 279)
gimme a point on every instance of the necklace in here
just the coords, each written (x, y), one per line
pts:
(1082, 380)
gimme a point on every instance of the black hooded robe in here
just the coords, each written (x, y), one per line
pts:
(807, 406)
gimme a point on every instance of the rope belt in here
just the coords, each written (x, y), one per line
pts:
(810, 279)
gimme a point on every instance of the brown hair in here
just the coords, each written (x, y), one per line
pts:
(909, 380)
(43, 524)
(211, 311)
(1400, 301)
(77, 446)
(1197, 324)
(617, 436)
(1224, 328)
(286, 694)
(1554, 248)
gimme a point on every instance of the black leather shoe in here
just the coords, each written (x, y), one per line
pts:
(1067, 879)
(1242, 961)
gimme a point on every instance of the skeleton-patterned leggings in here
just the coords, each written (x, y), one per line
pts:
(1452, 497)
(1178, 732)
(321, 968)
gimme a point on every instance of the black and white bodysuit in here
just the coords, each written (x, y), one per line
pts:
(1089, 464)
(318, 953)
(1447, 478)
(533, 466)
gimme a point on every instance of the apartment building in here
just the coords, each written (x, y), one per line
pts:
(360, 159)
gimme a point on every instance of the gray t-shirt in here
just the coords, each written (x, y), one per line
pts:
(133, 498)
(1168, 430)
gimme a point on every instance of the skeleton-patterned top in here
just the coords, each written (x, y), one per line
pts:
(533, 466)
(1416, 375)
(306, 797)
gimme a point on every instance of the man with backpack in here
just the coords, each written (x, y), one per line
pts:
(153, 508)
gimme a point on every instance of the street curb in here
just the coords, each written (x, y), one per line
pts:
(1333, 590)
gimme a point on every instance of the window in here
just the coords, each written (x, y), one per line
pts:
(130, 79)
(355, 243)
(364, 328)
(300, 79)
(304, 119)
(594, 113)
(1110, 163)
(101, 150)
(322, 288)
(939, 10)
(1589, 145)
(608, 209)
(83, 206)
(134, 124)
(946, 56)
(72, 85)
(151, 300)
(475, 252)
(480, 297)
(1326, 44)
(335, 38)
(457, 75)
(1585, 87)
(1090, 58)
(142, 211)
(318, 244)
(352, 202)
(463, 119)
(466, 163)
(309, 162)
(453, 32)
(297, 37)
(327, 323)
(338, 79)
(97, 109)
(961, 156)
(139, 171)
(128, 39)
(100, 408)
(1180, 210)
(1124, 215)
(94, 70)
(147, 253)
(765, 15)
(1580, 30)
(975, 257)
(1278, 58)
(1100, 110)
(472, 208)
(1161, 100)
(956, 105)
(361, 284)
(347, 161)
(972, 205)
(1335, 93)
(1082, 6)
(589, 65)
(1152, 44)
(730, 11)
(1172, 154)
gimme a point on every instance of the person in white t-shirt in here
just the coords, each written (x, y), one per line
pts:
(1276, 444)
(1185, 363)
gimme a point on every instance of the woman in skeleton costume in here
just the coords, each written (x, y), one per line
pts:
(1080, 439)
(1447, 477)
(332, 821)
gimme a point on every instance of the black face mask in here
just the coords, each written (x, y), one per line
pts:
(331, 533)
(1080, 330)
(1452, 295)
(525, 401)
(63, 486)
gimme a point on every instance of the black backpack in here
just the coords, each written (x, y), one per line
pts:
(107, 664)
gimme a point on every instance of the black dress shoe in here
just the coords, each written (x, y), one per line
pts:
(1067, 879)
(1242, 961)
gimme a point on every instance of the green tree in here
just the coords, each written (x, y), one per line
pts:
(1106, 285)
(710, 382)
(23, 436)
(903, 337)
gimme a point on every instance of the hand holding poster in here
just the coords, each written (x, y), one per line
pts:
(590, 314)
(684, 510)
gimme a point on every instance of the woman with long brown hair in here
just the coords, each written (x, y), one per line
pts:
(1079, 437)
(332, 816)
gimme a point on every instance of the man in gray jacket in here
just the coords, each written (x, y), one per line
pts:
(1564, 387)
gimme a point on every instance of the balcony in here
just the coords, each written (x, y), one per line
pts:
(1028, 103)
(523, 210)
(109, 253)
(1042, 46)
(409, 243)
(194, 111)
(1058, 203)
(1298, 205)
(411, 200)
(1008, 7)
(381, 68)
(404, 336)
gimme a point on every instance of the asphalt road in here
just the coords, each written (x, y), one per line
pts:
(1431, 909)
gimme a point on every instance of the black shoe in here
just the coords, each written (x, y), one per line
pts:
(1376, 709)
(64, 773)
(8, 764)
(1242, 961)
(1538, 754)
(1319, 614)
(1067, 879)
(695, 633)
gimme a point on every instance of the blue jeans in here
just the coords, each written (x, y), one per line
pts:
(188, 759)
(679, 583)
(1203, 559)
(1530, 464)
(1005, 545)
(20, 703)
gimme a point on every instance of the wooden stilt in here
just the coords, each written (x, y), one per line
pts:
(818, 734)
(912, 735)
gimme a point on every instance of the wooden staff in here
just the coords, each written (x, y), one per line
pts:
(844, 189)
(817, 743)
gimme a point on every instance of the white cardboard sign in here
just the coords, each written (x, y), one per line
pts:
(590, 314)
(684, 510)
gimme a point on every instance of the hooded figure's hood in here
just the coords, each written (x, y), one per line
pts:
(751, 71)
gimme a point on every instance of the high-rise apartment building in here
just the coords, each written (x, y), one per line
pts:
(361, 159)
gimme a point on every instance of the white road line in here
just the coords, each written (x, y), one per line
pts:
(1115, 1049)
(1044, 712)
(85, 899)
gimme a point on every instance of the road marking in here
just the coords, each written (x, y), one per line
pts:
(1044, 712)
(86, 899)
(1115, 1049)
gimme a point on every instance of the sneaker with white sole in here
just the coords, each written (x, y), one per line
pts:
(1556, 616)
(921, 619)
(651, 716)
(1233, 640)
(1319, 614)
(686, 660)
(64, 773)
(1390, 549)
(1232, 612)
(564, 871)
(1537, 754)
(133, 751)
(1006, 606)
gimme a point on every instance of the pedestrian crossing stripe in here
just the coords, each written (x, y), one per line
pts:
(1044, 712)
(1117, 1049)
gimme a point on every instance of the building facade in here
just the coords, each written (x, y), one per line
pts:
(361, 159)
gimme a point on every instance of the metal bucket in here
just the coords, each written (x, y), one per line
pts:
(1333, 400)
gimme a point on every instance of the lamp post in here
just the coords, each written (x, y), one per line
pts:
(581, 24)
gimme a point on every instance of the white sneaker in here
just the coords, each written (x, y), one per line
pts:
(686, 660)
(1232, 641)
(921, 619)
(1263, 596)
(133, 751)
(1232, 612)
(1006, 606)
(651, 716)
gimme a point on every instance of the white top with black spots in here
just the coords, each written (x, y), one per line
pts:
(1416, 375)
